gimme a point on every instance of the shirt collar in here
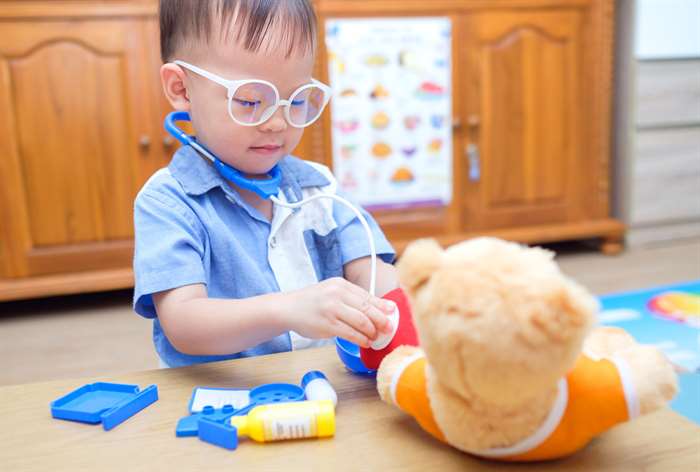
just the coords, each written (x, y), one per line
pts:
(197, 176)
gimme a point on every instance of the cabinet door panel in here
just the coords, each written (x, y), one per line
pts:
(70, 96)
(523, 104)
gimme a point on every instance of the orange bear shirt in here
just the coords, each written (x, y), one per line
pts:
(595, 396)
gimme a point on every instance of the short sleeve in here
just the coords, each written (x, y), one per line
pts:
(352, 235)
(169, 248)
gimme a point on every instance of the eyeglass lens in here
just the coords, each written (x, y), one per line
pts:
(254, 103)
(306, 105)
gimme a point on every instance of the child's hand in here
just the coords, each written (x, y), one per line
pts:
(336, 307)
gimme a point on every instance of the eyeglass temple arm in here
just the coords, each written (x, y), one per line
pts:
(206, 74)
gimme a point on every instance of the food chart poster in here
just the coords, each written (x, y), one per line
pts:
(391, 110)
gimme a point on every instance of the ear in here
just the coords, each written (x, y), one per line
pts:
(571, 313)
(173, 79)
(418, 263)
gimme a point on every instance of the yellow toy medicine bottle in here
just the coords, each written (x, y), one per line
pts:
(293, 420)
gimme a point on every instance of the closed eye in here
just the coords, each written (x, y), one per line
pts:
(247, 103)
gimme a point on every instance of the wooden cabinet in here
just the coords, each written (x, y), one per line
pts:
(522, 103)
(81, 112)
(78, 101)
(71, 99)
(531, 104)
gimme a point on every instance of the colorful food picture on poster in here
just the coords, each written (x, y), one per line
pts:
(391, 111)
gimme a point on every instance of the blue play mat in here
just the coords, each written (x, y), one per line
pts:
(669, 318)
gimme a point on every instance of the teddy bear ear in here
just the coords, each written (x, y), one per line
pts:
(572, 312)
(418, 263)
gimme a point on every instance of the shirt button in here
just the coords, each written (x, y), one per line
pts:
(273, 242)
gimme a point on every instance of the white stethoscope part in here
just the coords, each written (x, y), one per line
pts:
(365, 225)
(383, 340)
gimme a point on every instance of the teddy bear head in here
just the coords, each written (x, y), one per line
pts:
(496, 319)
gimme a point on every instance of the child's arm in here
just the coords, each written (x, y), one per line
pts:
(358, 272)
(198, 325)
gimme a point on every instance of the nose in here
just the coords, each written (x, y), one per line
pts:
(276, 123)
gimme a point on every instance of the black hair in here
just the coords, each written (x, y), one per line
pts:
(183, 21)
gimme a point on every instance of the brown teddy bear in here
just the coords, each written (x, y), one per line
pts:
(506, 369)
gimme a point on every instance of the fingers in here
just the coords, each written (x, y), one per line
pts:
(387, 306)
(357, 321)
(378, 317)
(373, 308)
(361, 317)
(345, 331)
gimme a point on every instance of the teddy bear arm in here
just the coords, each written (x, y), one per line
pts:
(653, 377)
(605, 341)
(389, 367)
(402, 381)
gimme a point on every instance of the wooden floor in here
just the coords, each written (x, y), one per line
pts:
(99, 335)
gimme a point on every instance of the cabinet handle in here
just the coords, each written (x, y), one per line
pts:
(472, 153)
(168, 142)
(145, 142)
(474, 121)
(456, 123)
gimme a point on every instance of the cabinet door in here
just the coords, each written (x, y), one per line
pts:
(164, 145)
(523, 102)
(74, 116)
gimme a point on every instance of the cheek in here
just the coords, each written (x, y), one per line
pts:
(227, 140)
(213, 124)
(293, 137)
(208, 104)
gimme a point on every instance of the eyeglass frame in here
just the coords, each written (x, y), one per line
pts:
(233, 85)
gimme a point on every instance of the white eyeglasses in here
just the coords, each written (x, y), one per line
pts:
(252, 102)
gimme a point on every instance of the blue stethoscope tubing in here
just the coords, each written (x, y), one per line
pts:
(266, 188)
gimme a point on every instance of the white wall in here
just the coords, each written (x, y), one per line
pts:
(658, 126)
(668, 29)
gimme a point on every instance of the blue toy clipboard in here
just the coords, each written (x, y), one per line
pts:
(108, 403)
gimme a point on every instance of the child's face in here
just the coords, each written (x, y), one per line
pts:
(250, 149)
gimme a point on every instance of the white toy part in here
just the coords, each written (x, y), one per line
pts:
(383, 340)
(317, 387)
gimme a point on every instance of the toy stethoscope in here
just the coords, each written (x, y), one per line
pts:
(265, 188)
(268, 189)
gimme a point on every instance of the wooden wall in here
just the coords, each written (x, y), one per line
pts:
(657, 132)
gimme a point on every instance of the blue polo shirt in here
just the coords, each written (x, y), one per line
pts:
(191, 227)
